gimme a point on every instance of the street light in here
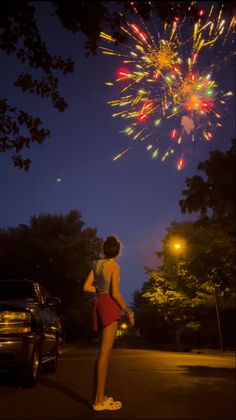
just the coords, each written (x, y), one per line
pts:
(121, 330)
(177, 245)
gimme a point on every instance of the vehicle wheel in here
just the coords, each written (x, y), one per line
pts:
(30, 374)
(51, 366)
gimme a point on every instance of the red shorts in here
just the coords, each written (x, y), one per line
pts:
(105, 311)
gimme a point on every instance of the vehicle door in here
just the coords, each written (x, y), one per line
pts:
(49, 321)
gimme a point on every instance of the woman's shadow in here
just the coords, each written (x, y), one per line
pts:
(11, 379)
(49, 383)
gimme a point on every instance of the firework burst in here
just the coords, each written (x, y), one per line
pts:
(163, 94)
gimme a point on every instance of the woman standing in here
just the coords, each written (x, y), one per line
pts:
(103, 280)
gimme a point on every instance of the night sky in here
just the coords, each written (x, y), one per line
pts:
(135, 197)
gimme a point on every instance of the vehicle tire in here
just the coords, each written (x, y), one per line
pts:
(51, 366)
(30, 374)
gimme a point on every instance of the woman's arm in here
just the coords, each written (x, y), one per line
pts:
(115, 292)
(88, 285)
(115, 280)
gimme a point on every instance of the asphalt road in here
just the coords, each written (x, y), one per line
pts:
(151, 385)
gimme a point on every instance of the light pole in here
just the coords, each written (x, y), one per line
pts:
(218, 319)
(177, 246)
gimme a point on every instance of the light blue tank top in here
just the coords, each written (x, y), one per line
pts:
(102, 275)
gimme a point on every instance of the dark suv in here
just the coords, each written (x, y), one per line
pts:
(29, 329)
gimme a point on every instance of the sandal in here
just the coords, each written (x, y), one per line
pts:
(108, 404)
(109, 398)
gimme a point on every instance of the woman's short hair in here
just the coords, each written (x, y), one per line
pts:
(111, 247)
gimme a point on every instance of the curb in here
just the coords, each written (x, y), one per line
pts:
(213, 352)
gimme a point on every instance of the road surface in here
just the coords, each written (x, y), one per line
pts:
(151, 385)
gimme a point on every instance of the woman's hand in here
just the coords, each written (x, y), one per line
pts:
(130, 314)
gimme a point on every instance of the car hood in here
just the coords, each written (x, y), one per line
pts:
(18, 305)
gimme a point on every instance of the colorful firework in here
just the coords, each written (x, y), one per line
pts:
(166, 91)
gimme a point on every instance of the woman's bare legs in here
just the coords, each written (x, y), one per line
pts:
(101, 365)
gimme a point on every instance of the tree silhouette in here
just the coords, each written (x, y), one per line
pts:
(57, 251)
(214, 195)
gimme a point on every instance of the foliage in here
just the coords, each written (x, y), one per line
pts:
(215, 193)
(20, 37)
(207, 263)
(161, 310)
(180, 296)
(160, 294)
(202, 268)
(57, 251)
(213, 262)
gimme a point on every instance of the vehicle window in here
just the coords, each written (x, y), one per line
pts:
(16, 290)
(37, 289)
(45, 294)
